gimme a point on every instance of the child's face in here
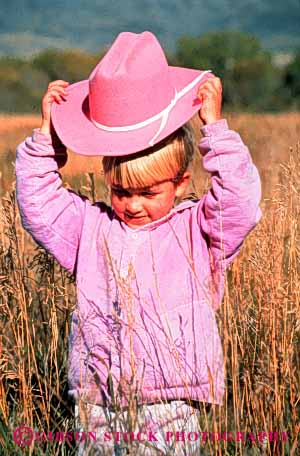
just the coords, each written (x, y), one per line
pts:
(137, 207)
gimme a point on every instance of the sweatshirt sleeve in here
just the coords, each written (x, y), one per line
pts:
(230, 209)
(52, 214)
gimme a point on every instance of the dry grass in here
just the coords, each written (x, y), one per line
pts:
(259, 320)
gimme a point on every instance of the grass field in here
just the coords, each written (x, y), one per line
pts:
(259, 319)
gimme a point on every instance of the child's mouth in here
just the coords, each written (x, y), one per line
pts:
(134, 216)
(136, 219)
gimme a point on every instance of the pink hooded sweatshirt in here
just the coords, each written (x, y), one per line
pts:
(144, 321)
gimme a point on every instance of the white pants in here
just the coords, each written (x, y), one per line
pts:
(157, 429)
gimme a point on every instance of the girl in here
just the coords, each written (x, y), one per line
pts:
(144, 345)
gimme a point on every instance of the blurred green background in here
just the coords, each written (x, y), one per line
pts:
(253, 46)
(253, 79)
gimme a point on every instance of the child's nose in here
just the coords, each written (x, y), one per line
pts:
(133, 204)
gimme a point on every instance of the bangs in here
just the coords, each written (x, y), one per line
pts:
(146, 168)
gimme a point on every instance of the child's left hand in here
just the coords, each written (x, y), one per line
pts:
(210, 95)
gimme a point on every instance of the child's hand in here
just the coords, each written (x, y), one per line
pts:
(210, 95)
(56, 92)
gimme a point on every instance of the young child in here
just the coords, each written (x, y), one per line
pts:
(144, 344)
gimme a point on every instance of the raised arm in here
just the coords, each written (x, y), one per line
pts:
(52, 214)
(230, 210)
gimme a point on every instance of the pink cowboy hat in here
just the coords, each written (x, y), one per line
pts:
(132, 100)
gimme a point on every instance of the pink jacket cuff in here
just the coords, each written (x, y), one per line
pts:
(215, 128)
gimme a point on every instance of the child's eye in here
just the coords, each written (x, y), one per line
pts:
(148, 194)
(120, 192)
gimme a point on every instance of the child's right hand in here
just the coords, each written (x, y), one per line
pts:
(56, 92)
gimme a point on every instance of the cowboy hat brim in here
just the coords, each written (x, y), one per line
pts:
(77, 132)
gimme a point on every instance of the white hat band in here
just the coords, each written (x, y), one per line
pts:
(163, 114)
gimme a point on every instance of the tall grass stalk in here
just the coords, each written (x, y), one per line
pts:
(259, 322)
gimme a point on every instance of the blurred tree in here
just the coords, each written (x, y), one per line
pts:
(247, 72)
(70, 65)
(23, 82)
(20, 86)
(252, 84)
(291, 82)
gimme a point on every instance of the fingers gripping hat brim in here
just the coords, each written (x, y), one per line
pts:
(72, 123)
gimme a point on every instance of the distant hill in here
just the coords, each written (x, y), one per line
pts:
(27, 26)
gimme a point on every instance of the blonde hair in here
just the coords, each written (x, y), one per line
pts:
(168, 159)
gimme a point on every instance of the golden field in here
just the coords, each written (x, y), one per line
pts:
(259, 319)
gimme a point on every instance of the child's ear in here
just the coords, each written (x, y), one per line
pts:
(181, 186)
